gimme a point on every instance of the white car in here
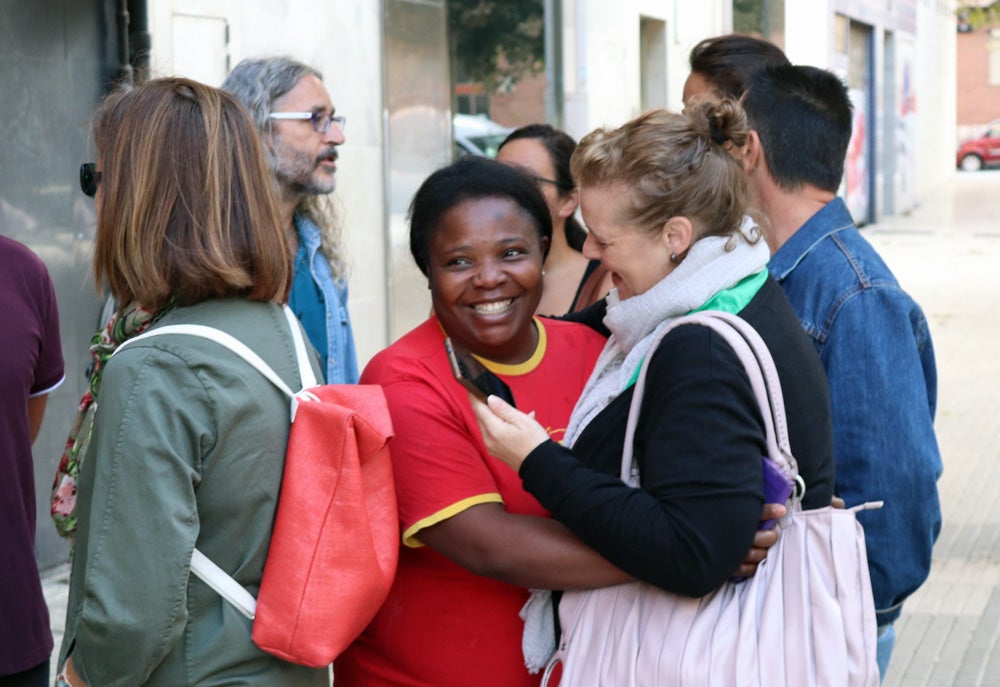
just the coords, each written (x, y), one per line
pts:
(477, 135)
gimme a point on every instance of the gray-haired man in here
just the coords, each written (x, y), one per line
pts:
(301, 131)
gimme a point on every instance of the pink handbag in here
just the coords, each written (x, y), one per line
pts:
(807, 618)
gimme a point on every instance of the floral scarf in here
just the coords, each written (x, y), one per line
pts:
(129, 322)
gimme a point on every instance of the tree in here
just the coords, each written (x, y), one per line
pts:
(496, 42)
(976, 15)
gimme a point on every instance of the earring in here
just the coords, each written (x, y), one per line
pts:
(673, 258)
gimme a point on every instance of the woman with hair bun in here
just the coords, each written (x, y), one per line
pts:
(664, 202)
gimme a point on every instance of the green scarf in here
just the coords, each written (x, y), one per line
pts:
(128, 322)
(731, 300)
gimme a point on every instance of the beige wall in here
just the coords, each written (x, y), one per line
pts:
(602, 61)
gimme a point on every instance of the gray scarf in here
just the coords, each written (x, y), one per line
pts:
(634, 323)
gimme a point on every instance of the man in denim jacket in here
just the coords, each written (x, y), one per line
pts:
(872, 337)
(301, 132)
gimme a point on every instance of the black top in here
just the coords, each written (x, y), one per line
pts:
(698, 446)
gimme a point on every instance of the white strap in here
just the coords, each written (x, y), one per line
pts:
(222, 338)
(226, 587)
(306, 375)
(756, 359)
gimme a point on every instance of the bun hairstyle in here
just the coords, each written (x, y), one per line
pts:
(674, 165)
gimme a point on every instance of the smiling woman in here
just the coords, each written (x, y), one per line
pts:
(473, 539)
(485, 286)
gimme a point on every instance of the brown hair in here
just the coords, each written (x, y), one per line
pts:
(186, 207)
(727, 62)
(673, 165)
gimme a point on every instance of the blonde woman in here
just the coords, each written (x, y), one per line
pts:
(664, 203)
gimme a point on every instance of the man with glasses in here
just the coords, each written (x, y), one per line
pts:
(301, 131)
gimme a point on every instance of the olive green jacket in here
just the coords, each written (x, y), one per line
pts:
(187, 451)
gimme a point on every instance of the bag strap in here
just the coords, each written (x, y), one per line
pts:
(759, 365)
(201, 565)
(223, 585)
(307, 378)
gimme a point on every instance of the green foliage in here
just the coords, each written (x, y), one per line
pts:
(748, 17)
(496, 42)
(761, 18)
(978, 15)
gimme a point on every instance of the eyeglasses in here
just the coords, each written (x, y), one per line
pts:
(89, 178)
(560, 185)
(321, 122)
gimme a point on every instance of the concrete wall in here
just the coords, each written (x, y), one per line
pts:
(935, 93)
(809, 32)
(57, 58)
(603, 62)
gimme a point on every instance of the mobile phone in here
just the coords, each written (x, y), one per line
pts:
(777, 488)
(474, 376)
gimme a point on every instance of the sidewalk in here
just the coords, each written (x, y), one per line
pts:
(947, 255)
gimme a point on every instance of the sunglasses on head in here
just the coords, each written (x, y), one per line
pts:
(89, 178)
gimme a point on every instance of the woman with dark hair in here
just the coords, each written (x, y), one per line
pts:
(722, 65)
(186, 447)
(571, 281)
(473, 540)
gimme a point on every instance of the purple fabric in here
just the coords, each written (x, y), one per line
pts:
(30, 364)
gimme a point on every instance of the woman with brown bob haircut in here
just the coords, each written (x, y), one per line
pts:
(187, 443)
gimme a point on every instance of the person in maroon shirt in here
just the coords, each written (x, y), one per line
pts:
(30, 368)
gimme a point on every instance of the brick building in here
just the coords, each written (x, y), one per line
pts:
(977, 77)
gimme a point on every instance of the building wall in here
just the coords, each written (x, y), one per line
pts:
(604, 66)
(57, 58)
(935, 93)
(907, 99)
(809, 32)
(979, 100)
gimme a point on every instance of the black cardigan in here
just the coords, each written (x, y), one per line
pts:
(698, 446)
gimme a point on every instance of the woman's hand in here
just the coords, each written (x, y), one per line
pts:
(70, 676)
(762, 541)
(509, 434)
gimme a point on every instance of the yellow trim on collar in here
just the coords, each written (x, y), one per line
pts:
(410, 535)
(529, 364)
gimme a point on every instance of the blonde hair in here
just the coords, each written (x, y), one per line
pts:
(186, 208)
(674, 165)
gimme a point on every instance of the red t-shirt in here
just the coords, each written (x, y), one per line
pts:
(442, 625)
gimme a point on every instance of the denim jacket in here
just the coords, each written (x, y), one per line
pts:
(322, 308)
(874, 342)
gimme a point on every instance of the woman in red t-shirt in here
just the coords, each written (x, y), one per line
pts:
(473, 540)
